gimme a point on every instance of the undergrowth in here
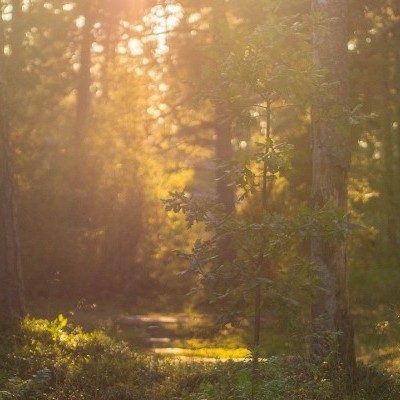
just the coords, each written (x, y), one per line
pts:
(53, 360)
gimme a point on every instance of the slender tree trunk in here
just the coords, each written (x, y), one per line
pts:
(17, 35)
(83, 96)
(109, 53)
(79, 179)
(223, 121)
(111, 37)
(389, 193)
(11, 284)
(331, 160)
(224, 152)
(225, 190)
(396, 127)
(15, 41)
(263, 263)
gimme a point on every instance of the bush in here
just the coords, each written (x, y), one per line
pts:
(55, 361)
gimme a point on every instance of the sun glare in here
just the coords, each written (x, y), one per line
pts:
(135, 47)
(163, 19)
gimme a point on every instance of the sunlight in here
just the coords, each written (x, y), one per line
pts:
(135, 47)
(7, 13)
(68, 7)
(199, 181)
(163, 19)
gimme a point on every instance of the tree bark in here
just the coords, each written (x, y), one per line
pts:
(394, 128)
(225, 190)
(11, 284)
(17, 33)
(389, 194)
(397, 131)
(110, 22)
(84, 80)
(331, 320)
(223, 121)
(224, 152)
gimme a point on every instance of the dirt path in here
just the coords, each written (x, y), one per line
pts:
(173, 336)
(157, 332)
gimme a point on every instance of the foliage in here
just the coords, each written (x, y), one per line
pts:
(90, 221)
(256, 245)
(53, 360)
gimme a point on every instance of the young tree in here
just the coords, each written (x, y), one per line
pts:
(331, 160)
(11, 285)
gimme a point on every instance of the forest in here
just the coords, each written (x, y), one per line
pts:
(199, 199)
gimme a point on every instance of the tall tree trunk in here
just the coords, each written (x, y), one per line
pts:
(11, 284)
(84, 80)
(331, 320)
(109, 53)
(395, 126)
(111, 19)
(79, 179)
(225, 191)
(224, 152)
(17, 33)
(389, 193)
(223, 120)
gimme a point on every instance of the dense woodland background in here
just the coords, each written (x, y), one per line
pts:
(115, 104)
(108, 119)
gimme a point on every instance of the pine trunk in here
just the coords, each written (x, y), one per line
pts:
(11, 285)
(83, 96)
(224, 153)
(331, 321)
(225, 190)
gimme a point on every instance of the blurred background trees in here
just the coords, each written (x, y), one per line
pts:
(113, 104)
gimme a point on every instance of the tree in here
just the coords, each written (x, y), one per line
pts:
(203, 67)
(92, 201)
(225, 190)
(374, 47)
(11, 285)
(331, 160)
(84, 80)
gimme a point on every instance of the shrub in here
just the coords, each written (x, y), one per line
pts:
(54, 361)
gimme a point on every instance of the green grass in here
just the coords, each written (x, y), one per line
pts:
(199, 328)
(56, 361)
(216, 353)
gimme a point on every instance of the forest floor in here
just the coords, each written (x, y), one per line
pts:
(192, 335)
(181, 335)
(125, 355)
(56, 360)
